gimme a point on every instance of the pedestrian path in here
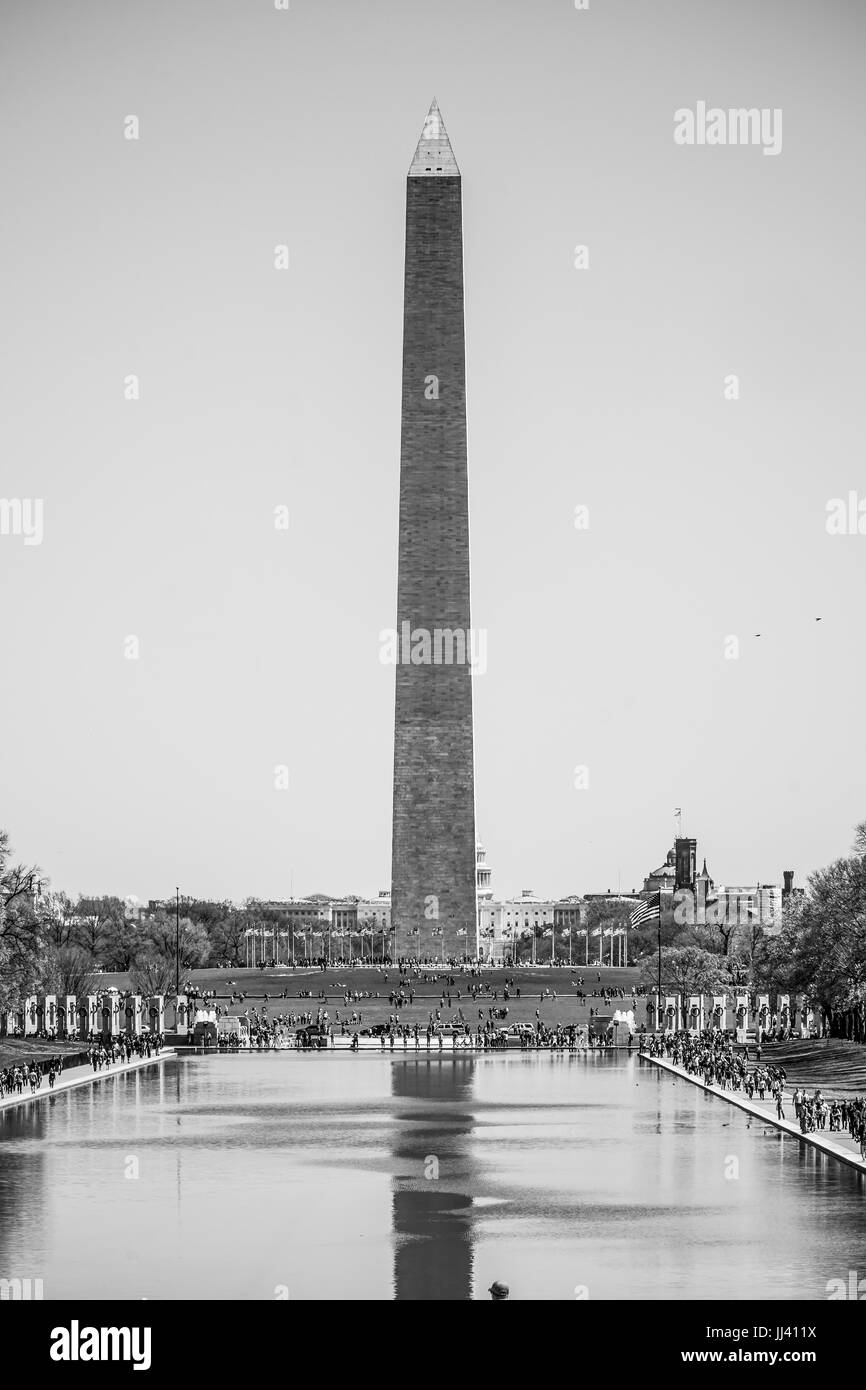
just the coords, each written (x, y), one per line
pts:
(840, 1146)
(82, 1076)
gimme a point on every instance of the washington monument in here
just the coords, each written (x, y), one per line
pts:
(433, 844)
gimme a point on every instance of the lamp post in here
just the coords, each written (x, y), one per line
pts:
(176, 942)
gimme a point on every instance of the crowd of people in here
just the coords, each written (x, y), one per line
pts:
(29, 1076)
(715, 1058)
(308, 1030)
(486, 1037)
(102, 1052)
(16, 1080)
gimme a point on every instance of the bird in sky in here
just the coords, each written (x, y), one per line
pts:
(817, 620)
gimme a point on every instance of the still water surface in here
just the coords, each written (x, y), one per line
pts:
(317, 1176)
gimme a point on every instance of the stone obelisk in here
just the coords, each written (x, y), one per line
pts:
(433, 846)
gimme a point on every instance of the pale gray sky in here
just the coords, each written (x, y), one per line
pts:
(601, 387)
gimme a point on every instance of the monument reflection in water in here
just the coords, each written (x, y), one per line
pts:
(434, 1174)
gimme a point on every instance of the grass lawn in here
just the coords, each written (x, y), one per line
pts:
(532, 982)
(836, 1066)
(14, 1051)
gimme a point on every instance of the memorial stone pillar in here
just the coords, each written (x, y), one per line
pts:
(109, 1015)
(786, 1022)
(672, 1013)
(69, 1021)
(48, 1008)
(742, 1007)
(133, 1014)
(156, 1013)
(178, 1014)
(88, 1015)
(31, 1017)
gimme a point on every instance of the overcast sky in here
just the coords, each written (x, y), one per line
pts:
(260, 388)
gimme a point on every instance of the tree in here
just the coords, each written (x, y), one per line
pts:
(787, 963)
(688, 970)
(821, 948)
(193, 946)
(606, 914)
(736, 969)
(829, 947)
(59, 911)
(368, 924)
(227, 938)
(208, 913)
(24, 962)
(716, 934)
(99, 922)
(71, 971)
(152, 974)
(124, 943)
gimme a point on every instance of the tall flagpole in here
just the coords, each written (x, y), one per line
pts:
(659, 1008)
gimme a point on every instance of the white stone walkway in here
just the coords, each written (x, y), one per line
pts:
(81, 1076)
(818, 1139)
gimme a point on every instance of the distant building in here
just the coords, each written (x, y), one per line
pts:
(789, 892)
(300, 912)
(569, 913)
(662, 878)
(378, 909)
(688, 898)
(502, 922)
(483, 874)
(685, 862)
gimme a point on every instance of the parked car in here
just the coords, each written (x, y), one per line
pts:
(515, 1032)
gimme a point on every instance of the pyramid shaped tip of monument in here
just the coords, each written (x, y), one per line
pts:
(434, 154)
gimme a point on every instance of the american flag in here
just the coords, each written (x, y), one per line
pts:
(647, 912)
